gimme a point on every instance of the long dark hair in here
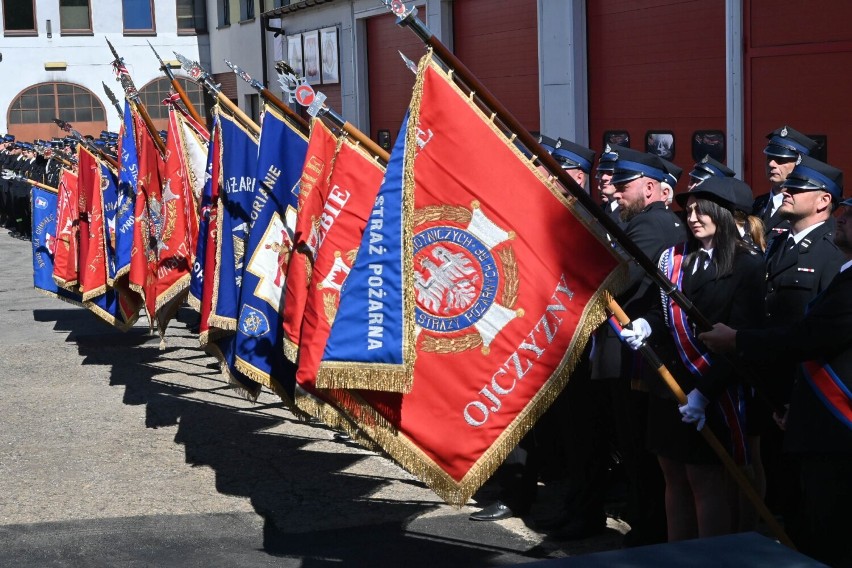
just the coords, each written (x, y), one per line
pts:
(726, 241)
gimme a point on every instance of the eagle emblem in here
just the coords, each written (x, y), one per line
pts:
(465, 278)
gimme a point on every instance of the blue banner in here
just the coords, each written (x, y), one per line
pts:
(126, 190)
(44, 204)
(239, 167)
(259, 341)
(368, 328)
(109, 192)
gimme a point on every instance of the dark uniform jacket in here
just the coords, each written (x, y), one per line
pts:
(774, 224)
(734, 299)
(824, 333)
(653, 230)
(794, 278)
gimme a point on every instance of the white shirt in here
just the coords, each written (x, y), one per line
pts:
(706, 261)
(846, 265)
(797, 238)
(777, 198)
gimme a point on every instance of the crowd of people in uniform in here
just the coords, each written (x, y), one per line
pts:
(40, 161)
(772, 379)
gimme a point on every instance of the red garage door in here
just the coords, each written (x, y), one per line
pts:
(796, 73)
(498, 41)
(390, 80)
(659, 66)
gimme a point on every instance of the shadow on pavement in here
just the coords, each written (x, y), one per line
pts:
(312, 508)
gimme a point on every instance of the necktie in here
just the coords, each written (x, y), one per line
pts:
(703, 259)
(786, 250)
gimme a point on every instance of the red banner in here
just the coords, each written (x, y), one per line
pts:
(508, 285)
(93, 276)
(149, 222)
(313, 190)
(351, 193)
(176, 242)
(65, 261)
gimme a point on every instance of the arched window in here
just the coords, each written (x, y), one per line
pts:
(154, 92)
(32, 112)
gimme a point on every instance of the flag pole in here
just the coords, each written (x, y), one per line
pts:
(131, 93)
(11, 175)
(112, 98)
(315, 102)
(270, 97)
(66, 126)
(733, 469)
(408, 18)
(194, 69)
(177, 87)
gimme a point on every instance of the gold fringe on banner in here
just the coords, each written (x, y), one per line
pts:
(70, 285)
(384, 376)
(99, 291)
(371, 376)
(193, 302)
(332, 417)
(65, 299)
(266, 380)
(291, 350)
(213, 320)
(241, 389)
(121, 272)
(174, 292)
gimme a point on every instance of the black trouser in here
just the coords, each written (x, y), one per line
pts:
(5, 203)
(587, 432)
(646, 510)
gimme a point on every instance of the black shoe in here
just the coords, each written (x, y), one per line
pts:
(496, 511)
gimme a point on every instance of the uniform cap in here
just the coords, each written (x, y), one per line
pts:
(810, 175)
(708, 167)
(547, 143)
(673, 172)
(608, 158)
(631, 164)
(572, 156)
(786, 142)
(729, 192)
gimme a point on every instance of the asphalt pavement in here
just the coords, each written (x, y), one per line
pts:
(115, 453)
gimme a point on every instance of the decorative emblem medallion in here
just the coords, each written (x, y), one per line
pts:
(465, 278)
(253, 322)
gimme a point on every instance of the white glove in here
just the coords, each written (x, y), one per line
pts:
(693, 410)
(636, 336)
